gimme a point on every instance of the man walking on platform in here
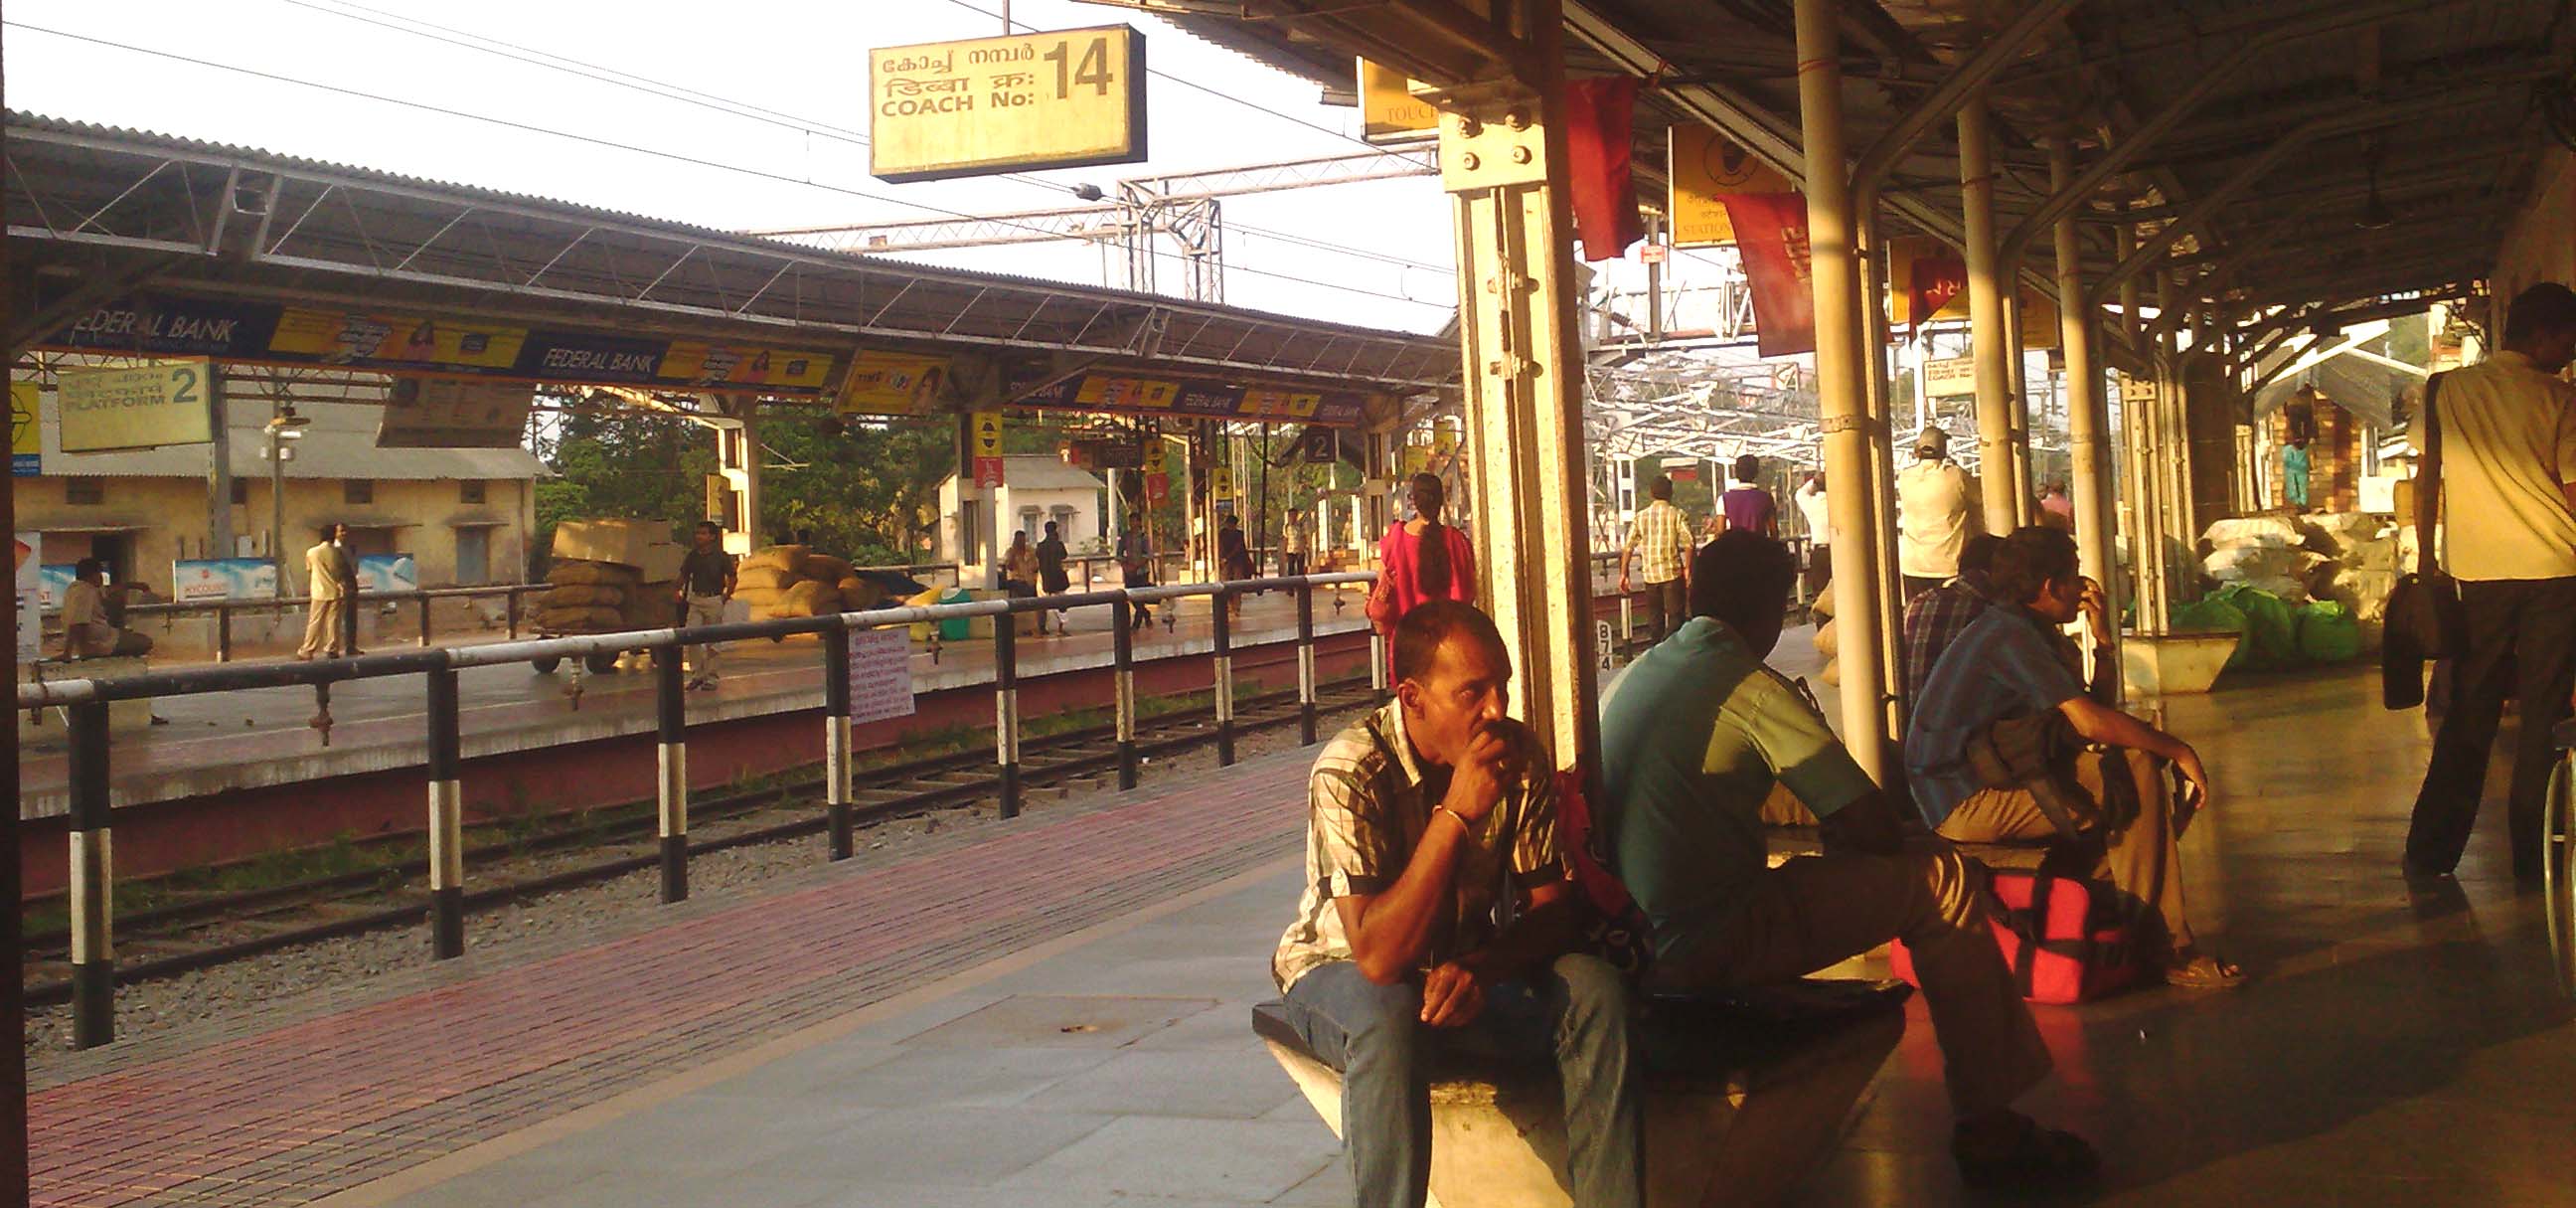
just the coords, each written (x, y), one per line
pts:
(2507, 477)
(1660, 541)
(705, 587)
(1430, 822)
(1051, 577)
(1136, 565)
(332, 577)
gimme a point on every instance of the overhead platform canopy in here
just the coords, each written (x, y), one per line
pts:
(125, 241)
(2298, 155)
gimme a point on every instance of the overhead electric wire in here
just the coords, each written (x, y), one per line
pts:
(631, 148)
(602, 73)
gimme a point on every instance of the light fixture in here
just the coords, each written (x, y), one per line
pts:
(1088, 191)
(286, 424)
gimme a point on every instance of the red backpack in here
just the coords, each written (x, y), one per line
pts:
(2066, 940)
(1614, 929)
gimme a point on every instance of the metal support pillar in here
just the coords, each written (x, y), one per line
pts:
(836, 742)
(1503, 161)
(1223, 662)
(446, 820)
(219, 467)
(1990, 337)
(1839, 363)
(1306, 664)
(1006, 709)
(93, 882)
(670, 710)
(2087, 414)
(1122, 662)
(1879, 409)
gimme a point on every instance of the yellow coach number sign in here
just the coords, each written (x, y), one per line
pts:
(1064, 99)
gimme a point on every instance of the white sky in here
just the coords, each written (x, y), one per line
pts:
(803, 59)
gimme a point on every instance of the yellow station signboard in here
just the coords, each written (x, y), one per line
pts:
(1060, 99)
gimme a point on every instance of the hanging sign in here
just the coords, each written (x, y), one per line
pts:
(1950, 377)
(139, 408)
(1707, 168)
(451, 413)
(986, 428)
(26, 430)
(1220, 481)
(892, 383)
(1158, 478)
(1128, 393)
(1062, 99)
(1389, 111)
(1771, 231)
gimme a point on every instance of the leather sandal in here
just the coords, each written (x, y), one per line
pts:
(2192, 969)
(2037, 1158)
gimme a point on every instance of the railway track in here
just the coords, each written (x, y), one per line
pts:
(218, 928)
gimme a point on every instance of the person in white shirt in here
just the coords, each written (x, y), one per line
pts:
(1810, 498)
(1936, 513)
(2508, 478)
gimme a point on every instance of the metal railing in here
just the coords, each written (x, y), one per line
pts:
(91, 890)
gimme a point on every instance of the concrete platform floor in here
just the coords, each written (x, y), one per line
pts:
(2396, 1048)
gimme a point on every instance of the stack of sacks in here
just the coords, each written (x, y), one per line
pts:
(587, 597)
(763, 578)
(2261, 552)
(1826, 639)
(793, 581)
(2362, 551)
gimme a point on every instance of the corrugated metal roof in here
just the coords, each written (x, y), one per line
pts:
(339, 443)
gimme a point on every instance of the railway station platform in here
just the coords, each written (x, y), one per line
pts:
(1053, 1011)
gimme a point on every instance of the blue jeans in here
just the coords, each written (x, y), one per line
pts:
(1576, 1010)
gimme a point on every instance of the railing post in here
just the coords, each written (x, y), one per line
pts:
(1122, 662)
(446, 820)
(836, 740)
(671, 714)
(1377, 664)
(223, 633)
(510, 608)
(1224, 662)
(93, 882)
(1306, 663)
(423, 596)
(349, 621)
(1006, 708)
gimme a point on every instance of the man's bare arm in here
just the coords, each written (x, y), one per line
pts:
(2101, 723)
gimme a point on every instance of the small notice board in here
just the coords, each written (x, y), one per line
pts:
(880, 674)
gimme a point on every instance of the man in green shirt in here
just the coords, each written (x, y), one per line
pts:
(1693, 737)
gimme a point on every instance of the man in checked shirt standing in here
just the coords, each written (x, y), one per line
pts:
(1423, 819)
(1660, 541)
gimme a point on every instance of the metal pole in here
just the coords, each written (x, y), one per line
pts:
(277, 504)
(1306, 664)
(670, 710)
(2086, 413)
(1989, 340)
(1006, 708)
(1224, 664)
(1880, 410)
(223, 633)
(1838, 371)
(93, 882)
(1122, 662)
(446, 820)
(836, 741)
(219, 466)
(423, 597)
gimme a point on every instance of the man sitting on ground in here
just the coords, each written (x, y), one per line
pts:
(1937, 617)
(1421, 818)
(2009, 684)
(1693, 738)
(88, 633)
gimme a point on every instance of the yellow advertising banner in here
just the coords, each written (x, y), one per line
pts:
(892, 383)
(336, 337)
(1101, 390)
(1706, 167)
(138, 408)
(1388, 108)
(1280, 404)
(699, 363)
(1060, 99)
(26, 429)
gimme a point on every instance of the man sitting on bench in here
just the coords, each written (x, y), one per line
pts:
(2003, 737)
(1693, 738)
(1421, 818)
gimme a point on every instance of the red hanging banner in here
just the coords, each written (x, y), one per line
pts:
(1600, 116)
(1771, 233)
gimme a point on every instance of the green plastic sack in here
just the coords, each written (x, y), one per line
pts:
(2271, 632)
(2214, 615)
(2329, 633)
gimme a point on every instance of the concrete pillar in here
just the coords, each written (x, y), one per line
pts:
(1889, 589)
(1840, 401)
(1990, 335)
(2087, 415)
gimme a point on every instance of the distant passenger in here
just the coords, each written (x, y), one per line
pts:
(2057, 508)
(1936, 618)
(1420, 560)
(1431, 822)
(1693, 738)
(1747, 507)
(87, 631)
(1233, 559)
(1292, 545)
(1051, 576)
(706, 585)
(1813, 508)
(2508, 480)
(332, 578)
(1136, 564)
(1660, 541)
(2003, 719)
(1936, 511)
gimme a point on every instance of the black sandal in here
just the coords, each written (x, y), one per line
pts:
(2039, 1157)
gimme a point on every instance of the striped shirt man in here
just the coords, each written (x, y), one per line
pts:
(1661, 539)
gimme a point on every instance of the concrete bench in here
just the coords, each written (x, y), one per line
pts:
(1746, 1095)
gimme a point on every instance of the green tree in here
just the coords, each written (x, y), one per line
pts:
(867, 490)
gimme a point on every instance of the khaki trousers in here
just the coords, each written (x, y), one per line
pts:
(703, 610)
(2141, 862)
(1816, 911)
(326, 629)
